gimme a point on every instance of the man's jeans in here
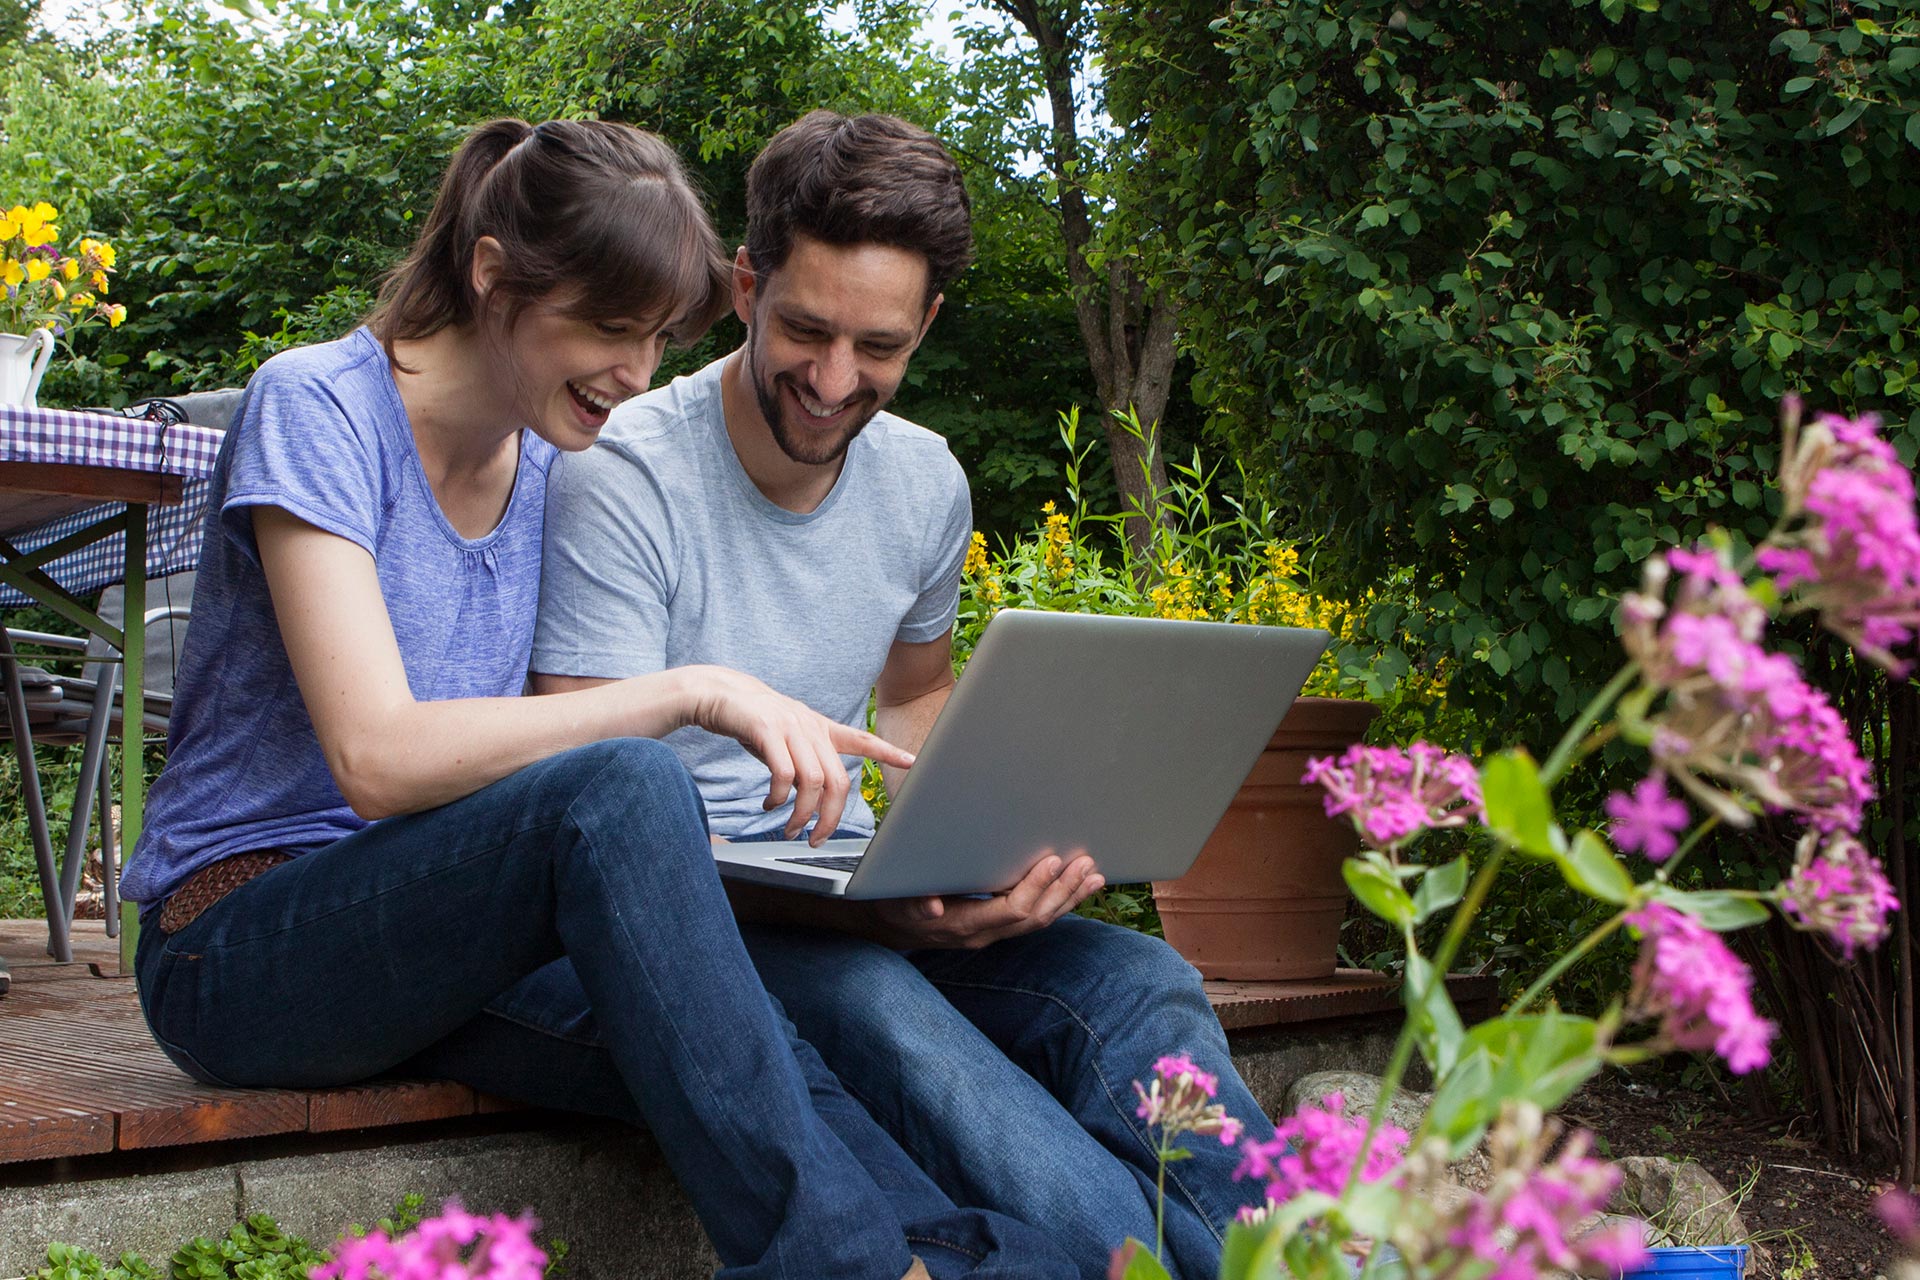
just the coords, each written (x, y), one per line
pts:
(1007, 1073)
(381, 950)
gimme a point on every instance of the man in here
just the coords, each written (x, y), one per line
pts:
(766, 514)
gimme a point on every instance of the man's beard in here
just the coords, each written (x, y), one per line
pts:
(804, 449)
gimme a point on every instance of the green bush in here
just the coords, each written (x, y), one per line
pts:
(1512, 302)
(1503, 300)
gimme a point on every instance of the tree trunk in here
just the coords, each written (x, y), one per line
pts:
(1128, 336)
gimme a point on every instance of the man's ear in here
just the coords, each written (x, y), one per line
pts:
(489, 260)
(933, 310)
(743, 284)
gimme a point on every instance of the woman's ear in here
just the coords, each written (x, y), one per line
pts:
(489, 259)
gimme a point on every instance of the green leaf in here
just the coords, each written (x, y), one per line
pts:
(1436, 1023)
(1539, 1057)
(1290, 1217)
(1799, 84)
(1372, 880)
(1590, 867)
(1846, 118)
(1374, 1210)
(1143, 1265)
(1913, 129)
(1250, 1253)
(1719, 911)
(1374, 215)
(1517, 804)
(1440, 888)
(1460, 1112)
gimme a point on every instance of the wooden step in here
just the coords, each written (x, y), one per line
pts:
(79, 1074)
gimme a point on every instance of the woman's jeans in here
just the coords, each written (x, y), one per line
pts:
(385, 948)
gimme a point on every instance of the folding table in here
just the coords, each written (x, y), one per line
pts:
(86, 500)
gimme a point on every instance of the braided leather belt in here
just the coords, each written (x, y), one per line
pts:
(210, 884)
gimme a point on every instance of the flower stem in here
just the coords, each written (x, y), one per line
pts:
(1694, 837)
(1160, 1205)
(1570, 740)
(1567, 961)
(1403, 1047)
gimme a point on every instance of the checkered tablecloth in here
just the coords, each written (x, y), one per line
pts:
(109, 440)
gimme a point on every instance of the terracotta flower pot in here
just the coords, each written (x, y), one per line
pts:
(1265, 899)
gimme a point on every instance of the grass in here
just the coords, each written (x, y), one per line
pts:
(19, 878)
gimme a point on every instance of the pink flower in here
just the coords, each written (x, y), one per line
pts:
(1392, 794)
(1839, 889)
(457, 1245)
(1855, 553)
(1649, 819)
(1316, 1149)
(1178, 1100)
(1733, 713)
(1901, 1214)
(1525, 1224)
(1699, 990)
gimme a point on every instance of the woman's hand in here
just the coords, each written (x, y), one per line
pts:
(800, 747)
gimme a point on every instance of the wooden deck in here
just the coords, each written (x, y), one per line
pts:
(80, 1076)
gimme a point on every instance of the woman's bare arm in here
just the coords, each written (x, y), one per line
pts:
(392, 754)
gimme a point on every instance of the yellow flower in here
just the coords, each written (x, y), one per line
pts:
(100, 251)
(100, 281)
(1058, 538)
(1178, 594)
(70, 268)
(35, 230)
(44, 211)
(976, 562)
(1281, 559)
(38, 269)
(115, 314)
(81, 301)
(13, 273)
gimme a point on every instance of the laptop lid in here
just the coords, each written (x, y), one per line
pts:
(1125, 737)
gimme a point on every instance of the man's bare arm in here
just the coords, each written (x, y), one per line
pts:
(913, 686)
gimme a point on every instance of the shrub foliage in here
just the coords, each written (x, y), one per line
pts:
(1506, 296)
(1510, 293)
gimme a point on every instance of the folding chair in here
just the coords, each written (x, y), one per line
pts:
(84, 708)
(89, 708)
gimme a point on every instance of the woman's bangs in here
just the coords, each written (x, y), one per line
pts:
(656, 260)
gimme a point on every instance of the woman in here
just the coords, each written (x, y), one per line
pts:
(364, 837)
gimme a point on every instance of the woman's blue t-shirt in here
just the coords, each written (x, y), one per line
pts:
(322, 434)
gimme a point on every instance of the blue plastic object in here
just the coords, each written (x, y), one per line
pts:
(1726, 1262)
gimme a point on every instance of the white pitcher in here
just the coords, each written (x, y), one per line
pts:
(23, 361)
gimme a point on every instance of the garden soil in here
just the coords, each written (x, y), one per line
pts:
(1810, 1211)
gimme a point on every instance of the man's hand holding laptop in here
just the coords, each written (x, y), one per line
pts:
(1050, 890)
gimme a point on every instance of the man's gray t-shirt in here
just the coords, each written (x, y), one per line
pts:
(661, 552)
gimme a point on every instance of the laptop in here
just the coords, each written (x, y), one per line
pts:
(1123, 737)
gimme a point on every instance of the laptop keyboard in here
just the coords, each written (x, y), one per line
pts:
(847, 862)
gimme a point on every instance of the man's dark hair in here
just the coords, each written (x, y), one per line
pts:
(866, 180)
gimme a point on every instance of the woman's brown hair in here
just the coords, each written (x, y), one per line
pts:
(602, 213)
